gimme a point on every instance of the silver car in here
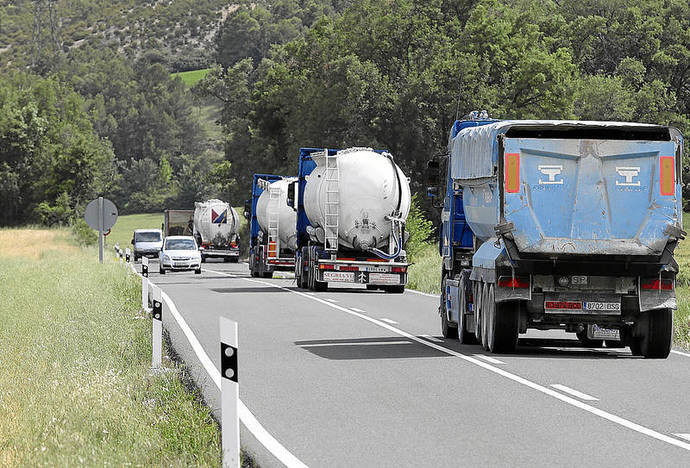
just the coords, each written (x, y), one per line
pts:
(179, 253)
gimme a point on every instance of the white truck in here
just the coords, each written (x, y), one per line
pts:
(216, 229)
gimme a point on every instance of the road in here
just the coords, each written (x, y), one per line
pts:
(352, 377)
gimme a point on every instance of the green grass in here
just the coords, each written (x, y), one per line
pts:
(425, 271)
(124, 227)
(74, 368)
(190, 78)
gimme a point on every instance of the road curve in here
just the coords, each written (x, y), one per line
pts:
(352, 377)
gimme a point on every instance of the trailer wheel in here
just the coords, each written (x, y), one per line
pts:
(448, 329)
(477, 310)
(656, 333)
(484, 314)
(464, 335)
(503, 324)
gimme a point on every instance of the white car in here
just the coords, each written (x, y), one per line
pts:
(179, 253)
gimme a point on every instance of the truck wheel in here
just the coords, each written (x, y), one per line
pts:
(582, 336)
(234, 259)
(448, 329)
(267, 274)
(320, 286)
(477, 311)
(398, 289)
(484, 315)
(503, 323)
(226, 259)
(464, 335)
(656, 337)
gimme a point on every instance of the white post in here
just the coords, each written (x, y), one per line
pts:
(157, 328)
(144, 293)
(230, 394)
(145, 267)
(128, 254)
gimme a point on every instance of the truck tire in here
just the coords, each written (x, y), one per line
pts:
(657, 336)
(585, 341)
(267, 274)
(448, 329)
(465, 336)
(226, 259)
(320, 286)
(484, 315)
(503, 324)
(477, 311)
(234, 259)
(398, 289)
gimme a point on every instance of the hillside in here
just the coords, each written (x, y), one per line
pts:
(178, 33)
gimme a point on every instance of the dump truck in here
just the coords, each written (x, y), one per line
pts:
(352, 205)
(178, 223)
(216, 230)
(272, 224)
(565, 225)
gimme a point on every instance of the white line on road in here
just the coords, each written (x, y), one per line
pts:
(573, 392)
(432, 338)
(351, 343)
(389, 321)
(356, 309)
(489, 359)
(435, 296)
(246, 416)
(496, 370)
(330, 300)
(678, 352)
(683, 436)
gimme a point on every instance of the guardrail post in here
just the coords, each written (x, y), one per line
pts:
(128, 254)
(144, 294)
(157, 329)
(145, 267)
(230, 394)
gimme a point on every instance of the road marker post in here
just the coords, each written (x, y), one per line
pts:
(157, 329)
(230, 394)
(128, 254)
(144, 294)
(145, 267)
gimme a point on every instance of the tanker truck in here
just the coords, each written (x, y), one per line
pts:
(351, 206)
(565, 225)
(272, 240)
(216, 227)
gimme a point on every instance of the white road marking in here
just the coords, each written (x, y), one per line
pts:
(246, 416)
(350, 343)
(683, 436)
(436, 296)
(330, 300)
(575, 393)
(432, 338)
(489, 359)
(496, 370)
(356, 309)
(393, 322)
(678, 352)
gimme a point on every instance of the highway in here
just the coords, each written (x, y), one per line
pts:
(351, 377)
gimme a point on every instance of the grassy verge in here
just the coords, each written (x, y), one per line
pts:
(75, 387)
(190, 78)
(124, 227)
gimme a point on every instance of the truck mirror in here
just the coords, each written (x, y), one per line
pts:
(291, 198)
(432, 168)
(247, 210)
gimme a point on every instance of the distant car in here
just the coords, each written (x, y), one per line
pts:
(179, 253)
(147, 243)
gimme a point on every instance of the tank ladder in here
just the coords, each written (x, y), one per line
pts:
(331, 203)
(274, 221)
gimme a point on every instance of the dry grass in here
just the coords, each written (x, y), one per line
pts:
(34, 243)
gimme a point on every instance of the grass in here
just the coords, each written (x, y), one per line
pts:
(75, 387)
(190, 78)
(124, 227)
(425, 271)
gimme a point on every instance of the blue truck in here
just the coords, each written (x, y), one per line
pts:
(565, 225)
(270, 241)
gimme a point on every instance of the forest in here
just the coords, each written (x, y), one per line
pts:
(105, 116)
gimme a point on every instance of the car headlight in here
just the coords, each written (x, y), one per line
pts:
(166, 258)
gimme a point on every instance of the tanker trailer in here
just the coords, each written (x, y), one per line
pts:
(216, 228)
(351, 206)
(272, 222)
(565, 225)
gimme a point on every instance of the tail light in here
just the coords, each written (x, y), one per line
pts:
(512, 172)
(657, 285)
(272, 250)
(233, 244)
(326, 266)
(349, 268)
(398, 269)
(521, 282)
(667, 178)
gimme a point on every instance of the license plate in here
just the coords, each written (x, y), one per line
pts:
(595, 332)
(343, 276)
(562, 305)
(602, 306)
(384, 278)
(378, 269)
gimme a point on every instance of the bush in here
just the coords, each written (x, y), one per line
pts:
(83, 234)
(419, 228)
(58, 214)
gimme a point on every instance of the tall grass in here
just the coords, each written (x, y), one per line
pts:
(75, 387)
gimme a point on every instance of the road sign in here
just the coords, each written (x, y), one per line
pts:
(101, 215)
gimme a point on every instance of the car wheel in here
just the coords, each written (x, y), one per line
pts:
(197, 271)
(161, 270)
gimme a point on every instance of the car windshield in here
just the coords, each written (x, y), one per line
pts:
(180, 244)
(147, 237)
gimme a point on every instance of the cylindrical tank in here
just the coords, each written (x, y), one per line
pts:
(287, 217)
(371, 186)
(216, 222)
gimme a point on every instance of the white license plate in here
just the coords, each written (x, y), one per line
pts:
(378, 269)
(595, 332)
(602, 306)
(343, 276)
(384, 278)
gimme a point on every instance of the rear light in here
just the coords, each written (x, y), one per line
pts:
(349, 268)
(516, 282)
(326, 266)
(272, 250)
(398, 269)
(233, 244)
(667, 179)
(512, 172)
(343, 259)
(657, 285)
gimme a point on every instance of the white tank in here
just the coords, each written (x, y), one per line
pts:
(287, 217)
(371, 186)
(216, 222)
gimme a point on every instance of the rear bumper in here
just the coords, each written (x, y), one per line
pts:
(356, 272)
(181, 266)
(210, 253)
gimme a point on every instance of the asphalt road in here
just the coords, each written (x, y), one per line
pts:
(352, 377)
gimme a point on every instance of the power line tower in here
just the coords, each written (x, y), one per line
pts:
(46, 33)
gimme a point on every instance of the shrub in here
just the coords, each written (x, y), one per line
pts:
(82, 233)
(419, 228)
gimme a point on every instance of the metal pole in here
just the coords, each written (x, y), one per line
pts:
(230, 394)
(157, 329)
(100, 229)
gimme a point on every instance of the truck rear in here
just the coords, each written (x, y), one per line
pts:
(351, 209)
(561, 225)
(216, 230)
(178, 223)
(271, 226)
